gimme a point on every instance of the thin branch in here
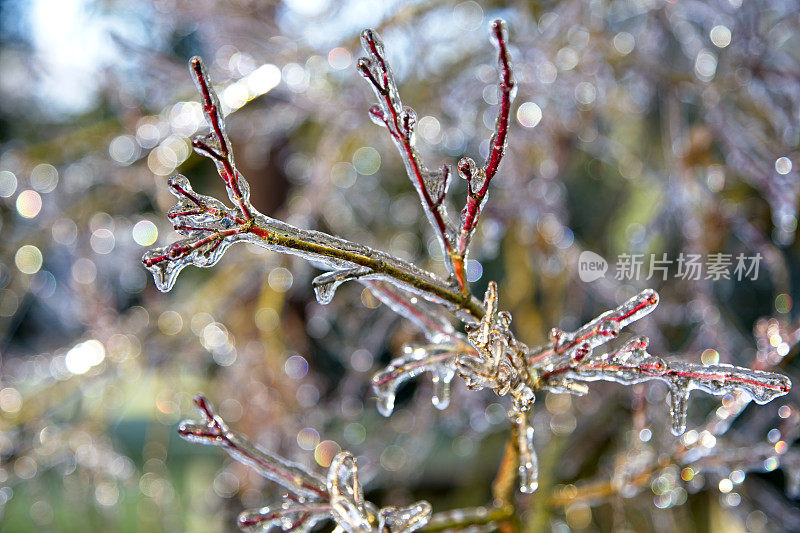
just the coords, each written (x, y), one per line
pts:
(400, 121)
(224, 158)
(212, 430)
(478, 180)
(459, 519)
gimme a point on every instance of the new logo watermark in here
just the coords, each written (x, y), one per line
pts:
(631, 267)
(591, 266)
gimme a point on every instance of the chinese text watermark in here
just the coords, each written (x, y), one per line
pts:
(693, 267)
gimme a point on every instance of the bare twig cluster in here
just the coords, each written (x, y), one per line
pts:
(487, 355)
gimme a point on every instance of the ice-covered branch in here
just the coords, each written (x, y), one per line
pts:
(311, 499)
(437, 357)
(209, 227)
(212, 430)
(216, 144)
(432, 185)
(500, 363)
(571, 360)
(400, 121)
(478, 180)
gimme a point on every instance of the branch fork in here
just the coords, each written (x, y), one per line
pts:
(432, 186)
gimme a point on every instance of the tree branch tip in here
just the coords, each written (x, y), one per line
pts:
(370, 37)
(197, 66)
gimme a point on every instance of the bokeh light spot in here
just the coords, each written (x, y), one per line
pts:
(29, 203)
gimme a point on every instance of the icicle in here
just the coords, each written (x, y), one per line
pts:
(325, 285)
(437, 359)
(678, 400)
(528, 462)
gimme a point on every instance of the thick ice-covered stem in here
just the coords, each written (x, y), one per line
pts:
(478, 180)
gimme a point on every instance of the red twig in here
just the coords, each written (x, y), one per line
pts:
(658, 371)
(476, 199)
(228, 171)
(215, 430)
(401, 130)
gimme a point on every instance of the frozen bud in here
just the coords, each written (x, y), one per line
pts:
(467, 168)
(408, 119)
(371, 42)
(364, 66)
(376, 115)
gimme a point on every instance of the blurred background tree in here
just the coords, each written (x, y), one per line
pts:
(638, 127)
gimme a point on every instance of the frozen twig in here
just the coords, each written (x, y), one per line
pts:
(432, 186)
(571, 360)
(478, 179)
(212, 430)
(339, 497)
(209, 227)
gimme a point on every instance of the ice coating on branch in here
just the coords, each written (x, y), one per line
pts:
(571, 359)
(311, 499)
(580, 343)
(632, 364)
(212, 430)
(438, 359)
(406, 519)
(296, 516)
